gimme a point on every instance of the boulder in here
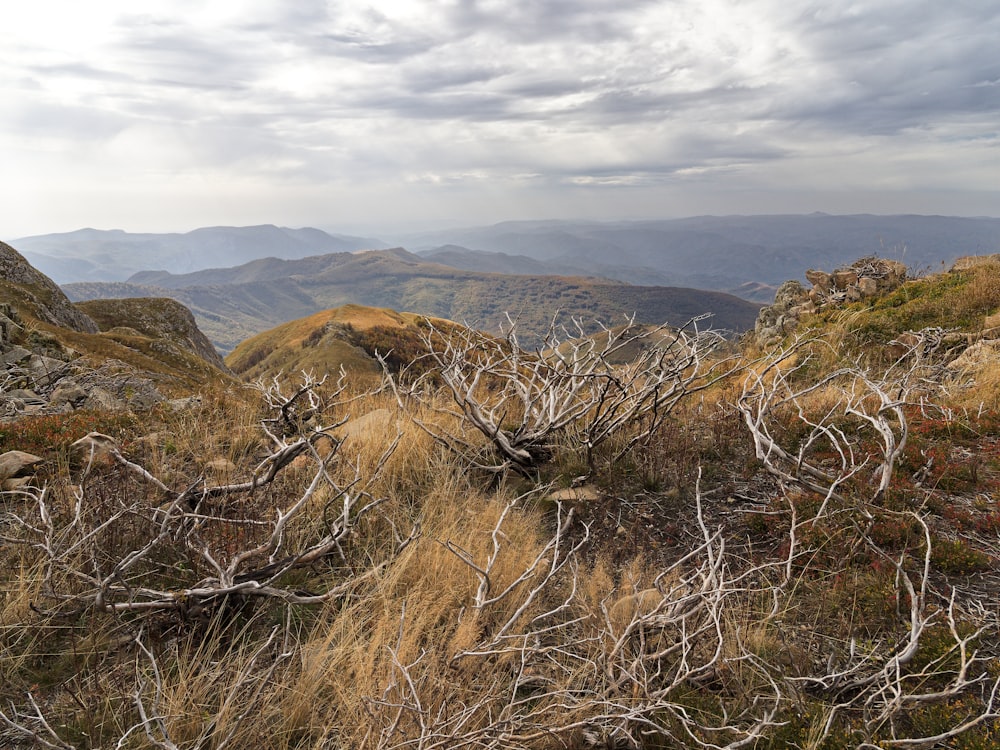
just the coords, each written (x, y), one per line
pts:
(894, 270)
(17, 464)
(979, 354)
(67, 392)
(15, 483)
(844, 279)
(9, 325)
(790, 293)
(867, 286)
(94, 446)
(45, 370)
(819, 279)
(102, 400)
(183, 404)
(15, 355)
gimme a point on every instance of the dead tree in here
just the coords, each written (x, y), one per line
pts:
(590, 389)
(188, 549)
(551, 669)
(840, 436)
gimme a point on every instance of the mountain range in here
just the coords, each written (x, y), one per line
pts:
(235, 303)
(744, 255)
(115, 255)
(748, 256)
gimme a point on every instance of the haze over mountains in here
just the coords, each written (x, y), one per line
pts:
(240, 281)
(744, 255)
(114, 255)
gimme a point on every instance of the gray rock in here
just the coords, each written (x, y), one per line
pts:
(182, 404)
(820, 279)
(103, 400)
(67, 392)
(93, 446)
(45, 370)
(8, 325)
(790, 293)
(11, 406)
(15, 483)
(17, 463)
(844, 279)
(867, 286)
(25, 395)
(16, 355)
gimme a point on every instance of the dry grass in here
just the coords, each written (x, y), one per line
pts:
(419, 645)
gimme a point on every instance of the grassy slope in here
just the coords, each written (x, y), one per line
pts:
(349, 672)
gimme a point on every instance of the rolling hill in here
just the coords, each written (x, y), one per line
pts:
(234, 304)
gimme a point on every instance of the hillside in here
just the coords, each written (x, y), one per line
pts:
(246, 300)
(56, 357)
(154, 318)
(35, 295)
(656, 539)
(346, 337)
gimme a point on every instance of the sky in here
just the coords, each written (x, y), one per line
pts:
(166, 115)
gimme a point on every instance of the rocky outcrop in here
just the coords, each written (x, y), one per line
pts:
(864, 279)
(32, 382)
(155, 318)
(38, 294)
(967, 262)
(17, 470)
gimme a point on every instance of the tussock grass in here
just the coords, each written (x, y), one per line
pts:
(448, 635)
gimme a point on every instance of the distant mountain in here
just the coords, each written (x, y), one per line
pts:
(745, 255)
(114, 255)
(477, 260)
(233, 304)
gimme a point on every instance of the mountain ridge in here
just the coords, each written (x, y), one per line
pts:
(254, 300)
(114, 255)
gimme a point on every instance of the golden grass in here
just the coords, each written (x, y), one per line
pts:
(337, 674)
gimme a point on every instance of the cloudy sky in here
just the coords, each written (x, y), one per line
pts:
(165, 115)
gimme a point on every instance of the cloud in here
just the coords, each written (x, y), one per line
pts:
(520, 95)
